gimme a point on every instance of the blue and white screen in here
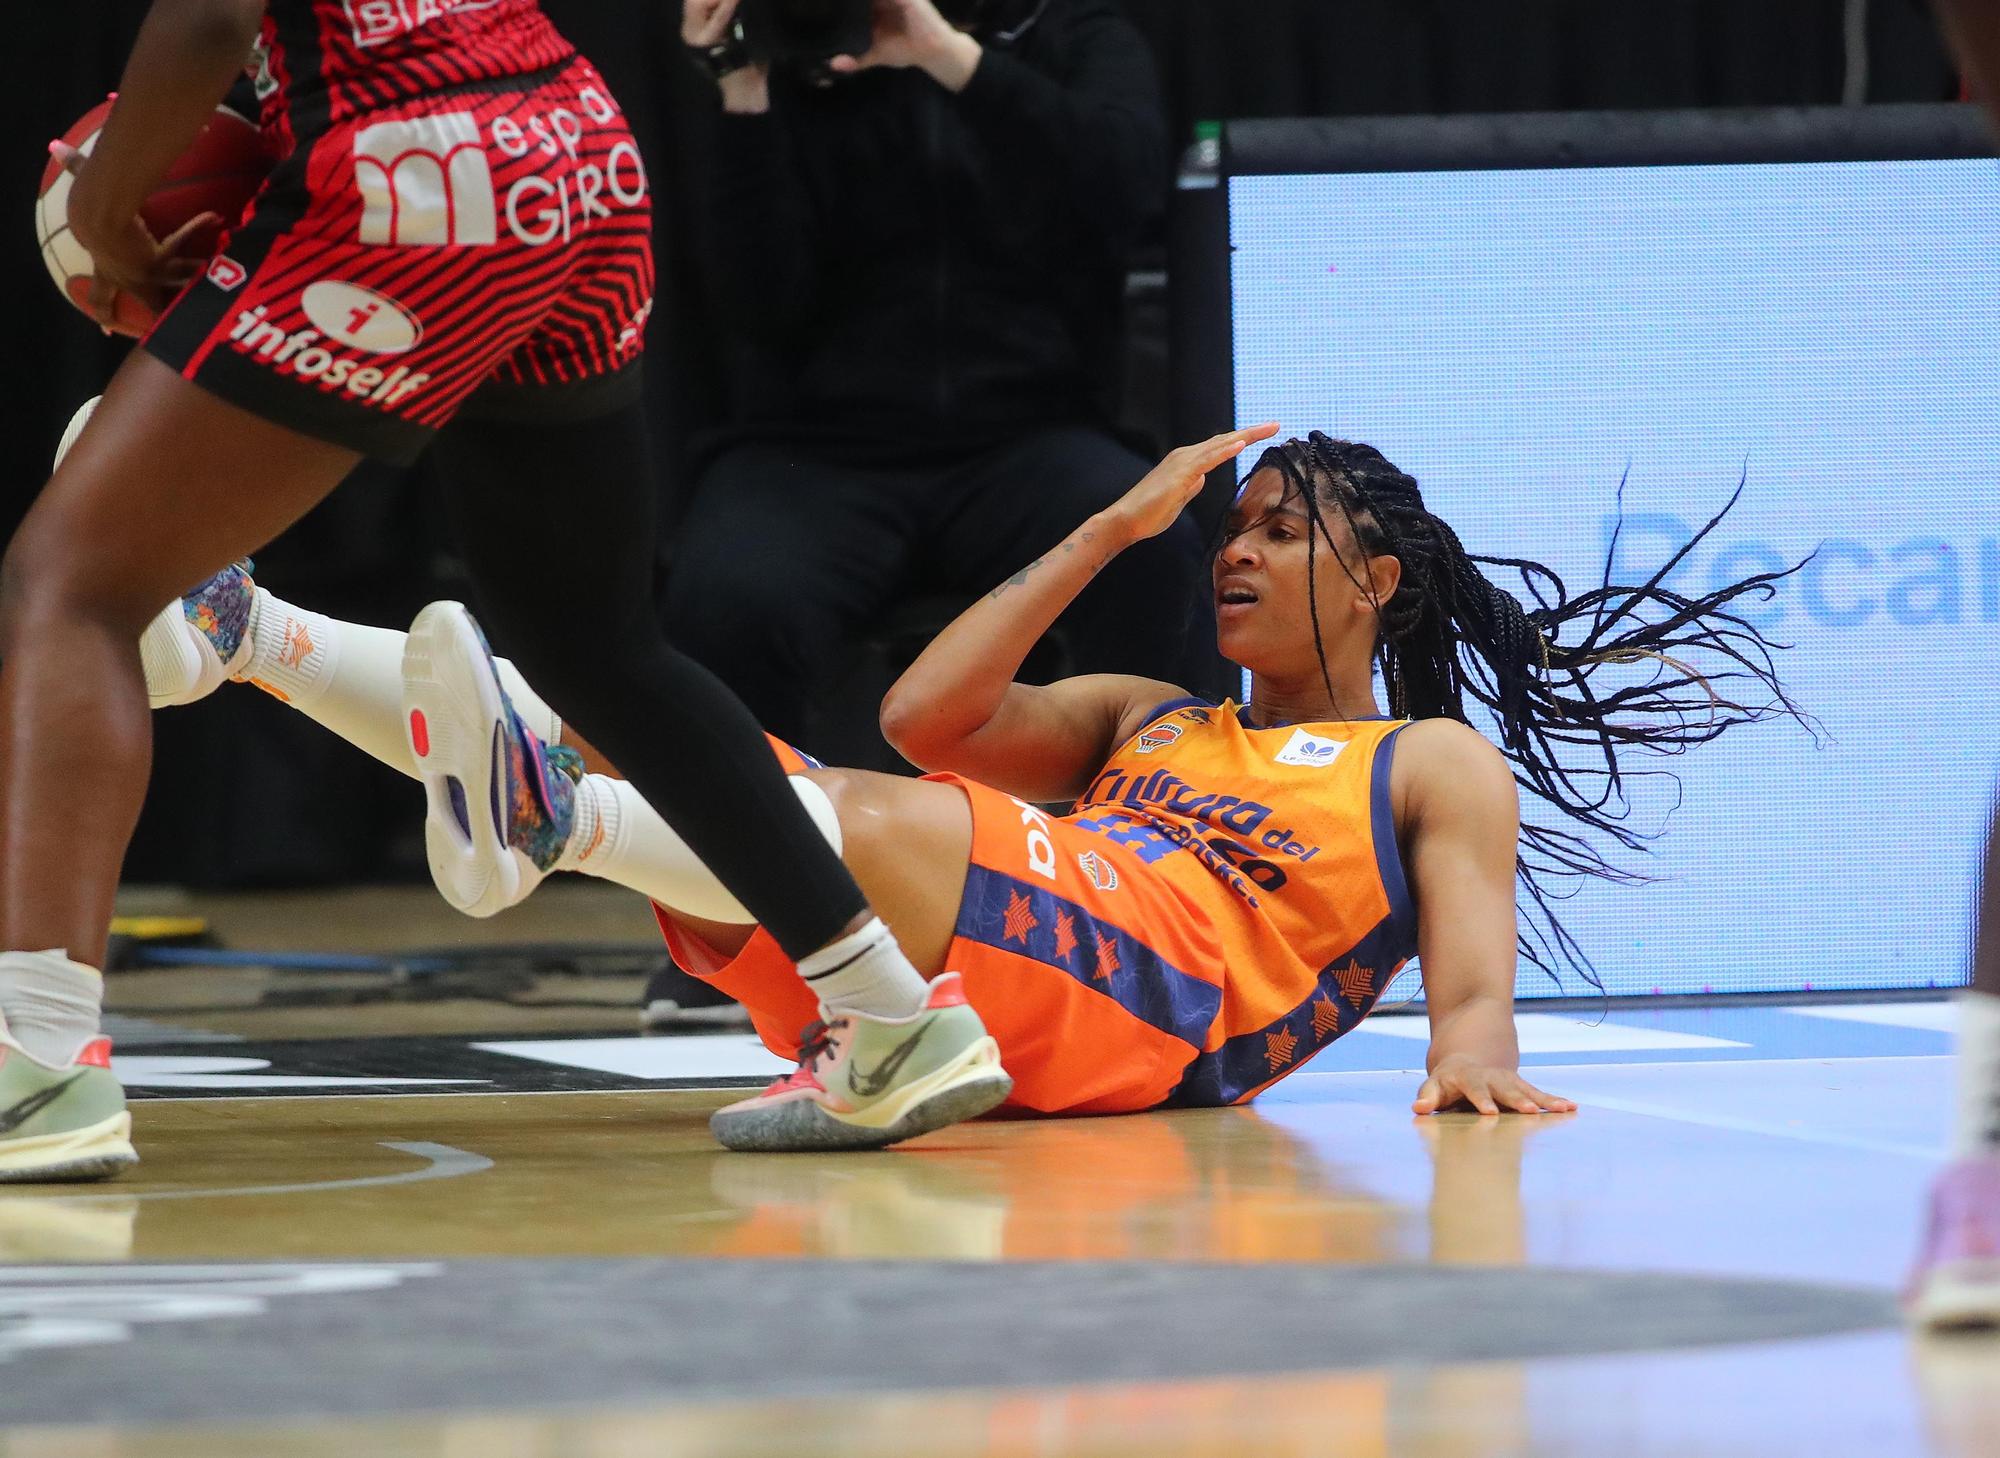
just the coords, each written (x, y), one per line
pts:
(1521, 340)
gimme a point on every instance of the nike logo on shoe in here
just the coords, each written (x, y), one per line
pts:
(33, 1104)
(868, 1085)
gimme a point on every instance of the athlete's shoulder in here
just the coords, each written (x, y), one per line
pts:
(1144, 701)
(1442, 764)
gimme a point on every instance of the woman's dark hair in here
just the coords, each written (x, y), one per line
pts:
(1448, 634)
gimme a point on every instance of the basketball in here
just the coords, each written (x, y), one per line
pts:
(219, 173)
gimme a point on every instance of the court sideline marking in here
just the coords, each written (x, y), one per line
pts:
(442, 1162)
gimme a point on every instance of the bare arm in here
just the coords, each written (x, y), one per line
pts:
(186, 55)
(958, 707)
(1461, 823)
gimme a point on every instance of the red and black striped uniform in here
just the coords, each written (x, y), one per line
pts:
(460, 223)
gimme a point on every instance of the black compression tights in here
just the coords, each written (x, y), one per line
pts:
(557, 523)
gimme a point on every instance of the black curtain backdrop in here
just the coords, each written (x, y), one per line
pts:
(248, 793)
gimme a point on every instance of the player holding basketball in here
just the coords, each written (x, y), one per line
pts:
(457, 234)
(1235, 887)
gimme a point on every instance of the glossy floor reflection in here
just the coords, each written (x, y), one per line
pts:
(1801, 1169)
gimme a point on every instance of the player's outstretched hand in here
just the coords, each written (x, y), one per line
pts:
(1458, 1080)
(127, 258)
(1156, 503)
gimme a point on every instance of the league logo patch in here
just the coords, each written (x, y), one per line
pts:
(1310, 750)
(1103, 875)
(1158, 737)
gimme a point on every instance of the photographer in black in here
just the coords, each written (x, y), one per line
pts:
(918, 255)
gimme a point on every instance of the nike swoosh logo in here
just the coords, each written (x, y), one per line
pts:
(868, 1085)
(33, 1104)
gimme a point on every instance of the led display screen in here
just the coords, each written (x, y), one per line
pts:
(1523, 340)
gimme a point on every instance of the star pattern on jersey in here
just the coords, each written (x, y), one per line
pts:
(1065, 934)
(1279, 1045)
(1107, 957)
(1326, 1015)
(1020, 919)
(1357, 983)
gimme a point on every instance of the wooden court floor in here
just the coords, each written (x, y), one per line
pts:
(1700, 1261)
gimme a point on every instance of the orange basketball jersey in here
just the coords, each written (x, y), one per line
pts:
(1285, 837)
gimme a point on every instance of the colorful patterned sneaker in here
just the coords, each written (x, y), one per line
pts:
(1956, 1285)
(502, 803)
(199, 643)
(865, 1082)
(62, 1123)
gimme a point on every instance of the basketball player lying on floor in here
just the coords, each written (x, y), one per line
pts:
(1235, 886)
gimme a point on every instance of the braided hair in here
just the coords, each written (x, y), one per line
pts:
(1449, 633)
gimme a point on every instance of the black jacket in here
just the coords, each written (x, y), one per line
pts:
(902, 268)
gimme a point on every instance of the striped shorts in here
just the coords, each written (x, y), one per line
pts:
(481, 251)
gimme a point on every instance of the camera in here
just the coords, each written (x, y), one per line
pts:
(809, 33)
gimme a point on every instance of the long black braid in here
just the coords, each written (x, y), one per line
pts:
(1448, 633)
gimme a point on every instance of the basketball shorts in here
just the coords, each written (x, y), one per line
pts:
(483, 251)
(1098, 978)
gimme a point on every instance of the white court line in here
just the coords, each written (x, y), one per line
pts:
(442, 1162)
(724, 1055)
(173, 1070)
(721, 1085)
(1554, 1033)
(1932, 1017)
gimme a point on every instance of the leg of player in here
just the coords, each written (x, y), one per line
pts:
(1957, 1280)
(166, 485)
(571, 594)
(348, 677)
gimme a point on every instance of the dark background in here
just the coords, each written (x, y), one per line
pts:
(248, 794)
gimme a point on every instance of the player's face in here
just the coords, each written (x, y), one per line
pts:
(1263, 619)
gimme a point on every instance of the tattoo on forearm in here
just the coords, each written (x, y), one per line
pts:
(1068, 546)
(1017, 579)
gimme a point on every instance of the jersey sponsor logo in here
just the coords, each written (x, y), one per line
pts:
(425, 182)
(1158, 737)
(1310, 750)
(1233, 838)
(303, 355)
(1197, 716)
(554, 206)
(1103, 875)
(378, 22)
(1041, 846)
(361, 318)
(226, 273)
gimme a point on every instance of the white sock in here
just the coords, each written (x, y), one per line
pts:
(866, 972)
(1978, 1130)
(50, 1005)
(618, 837)
(349, 677)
